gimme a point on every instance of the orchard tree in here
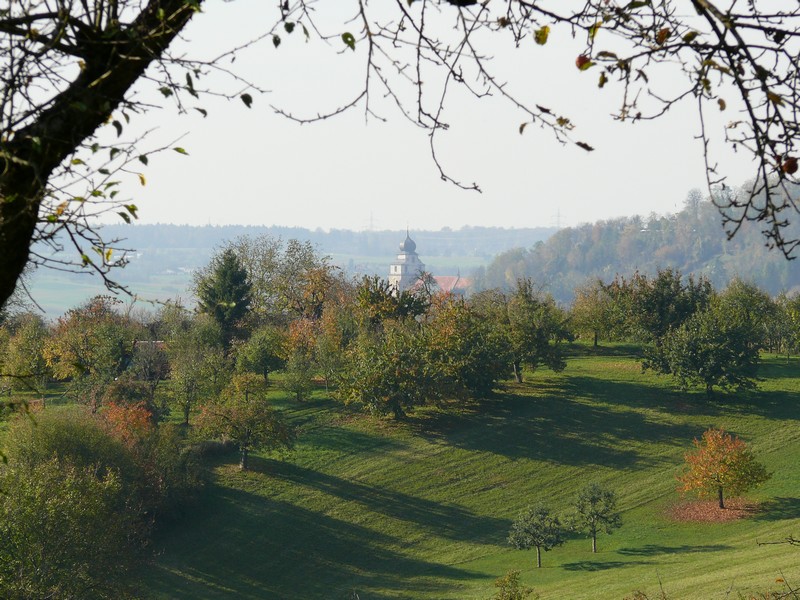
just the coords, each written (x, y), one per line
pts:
(536, 527)
(24, 362)
(243, 415)
(466, 349)
(390, 372)
(90, 346)
(711, 349)
(592, 311)
(536, 330)
(263, 352)
(596, 511)
(718, 464)
(509, 587)
(68, 70)
(198, 366)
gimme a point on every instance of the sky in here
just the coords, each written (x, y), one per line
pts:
(253, 166)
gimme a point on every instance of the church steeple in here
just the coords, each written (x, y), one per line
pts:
(405, 271)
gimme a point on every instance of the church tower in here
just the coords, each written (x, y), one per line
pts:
(405, 271)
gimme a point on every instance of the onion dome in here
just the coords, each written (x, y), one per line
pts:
(408, 245)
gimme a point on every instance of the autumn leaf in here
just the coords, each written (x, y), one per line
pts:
(789, 165)
(583, 62)
(663, 35)
(540, 35)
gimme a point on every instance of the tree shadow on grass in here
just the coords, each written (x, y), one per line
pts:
(437, 519)
(778, 509)
(243, 545)
(780, 405)
(655, 549)
(553, 428)
(634, 395)
(348, 441)
(602, 565)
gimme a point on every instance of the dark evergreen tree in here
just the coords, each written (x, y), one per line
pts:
(223, 291)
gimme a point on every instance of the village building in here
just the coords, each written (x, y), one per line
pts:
(405, 272)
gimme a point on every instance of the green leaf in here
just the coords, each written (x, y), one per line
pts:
(276, 40)
(775, 98)
(247, 99)
(76, 161)
(585, 146)
(180, 150)
(202, 111)
(349, 40)
(540, 35)
(118, 126)
(689, 37)
(165, 91)
(288, 27)
(594, 29)
(143, 159)
(113, 152)
(603, 80)
(125, 217)
(190, 85)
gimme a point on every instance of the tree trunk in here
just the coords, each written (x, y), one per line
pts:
(73, 115)
(595, 339)
(719, 494)
(594, 543)
(538, 557)
(517, 371)
(243, 458)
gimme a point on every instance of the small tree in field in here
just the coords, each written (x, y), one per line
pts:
(536, 528)
(721, 462)
(243, 415)
(509, 588)
(596, 510)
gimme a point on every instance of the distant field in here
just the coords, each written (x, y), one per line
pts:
(372, 509)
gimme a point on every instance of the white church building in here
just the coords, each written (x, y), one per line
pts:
(406, 270)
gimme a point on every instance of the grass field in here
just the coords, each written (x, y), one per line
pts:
(373, 509)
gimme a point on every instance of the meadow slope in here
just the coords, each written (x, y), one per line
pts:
(374, 509)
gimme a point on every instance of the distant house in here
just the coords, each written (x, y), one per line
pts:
(404, 273)
(453, 284)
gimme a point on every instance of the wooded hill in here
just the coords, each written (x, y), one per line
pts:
(692, 241)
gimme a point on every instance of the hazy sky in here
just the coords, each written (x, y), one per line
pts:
(253, 166)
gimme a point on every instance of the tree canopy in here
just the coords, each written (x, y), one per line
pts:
(721, 462)
(68, 69)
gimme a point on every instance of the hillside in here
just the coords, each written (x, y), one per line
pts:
(693, 241)
(374, 509)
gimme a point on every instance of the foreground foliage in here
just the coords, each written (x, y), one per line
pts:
(80, 497)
